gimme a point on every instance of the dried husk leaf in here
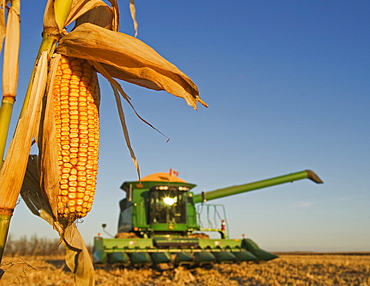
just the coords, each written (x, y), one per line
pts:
(125, 129)
(32, 194)
(77, 256)
(50, 25)
(92, 11)
(14, 167)
(133, 16)
(47, 143)
(78, 8)
(129, 59)
(117, 90)
(115, 10)
(101, 16)
(2, 24)
(11, 54)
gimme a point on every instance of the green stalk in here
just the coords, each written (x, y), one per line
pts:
(4, 228)
(5, 116)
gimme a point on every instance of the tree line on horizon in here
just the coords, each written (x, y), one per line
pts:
(33, 246)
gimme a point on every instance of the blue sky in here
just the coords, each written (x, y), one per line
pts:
(287, 83)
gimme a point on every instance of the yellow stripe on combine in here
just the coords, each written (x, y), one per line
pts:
(76, 105)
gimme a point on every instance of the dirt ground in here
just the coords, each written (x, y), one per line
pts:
(288, 269)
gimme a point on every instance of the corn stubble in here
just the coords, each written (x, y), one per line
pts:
(76, 109)
(322, 270)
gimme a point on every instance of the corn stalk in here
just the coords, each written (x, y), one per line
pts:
(113, 54)
(9, 84)
(10, 70)
(17, 156)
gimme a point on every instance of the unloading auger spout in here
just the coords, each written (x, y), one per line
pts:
(229, 191)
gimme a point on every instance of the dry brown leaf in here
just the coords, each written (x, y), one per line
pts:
(115, 10)
(129, 59)
(77, 256)
(101, 16)
(50, 25)
(125, 129)
(2, 24)
(117, 90)
(133, 16)
(47, 144)
(14, 167)
(11, 52)
(78, 8)
(32, 193)
(91, 11)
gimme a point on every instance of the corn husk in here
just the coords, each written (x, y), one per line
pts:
(50, 24)
(46, 140)
(129, 59)
(117, 90)
(101, 16)
(40, 187)
(93, 11)
(14, 166)
(133, 16)
(96, 12)
(11, 52)
(2, 23)
(77, 256)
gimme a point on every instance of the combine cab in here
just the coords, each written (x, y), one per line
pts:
(160, 224)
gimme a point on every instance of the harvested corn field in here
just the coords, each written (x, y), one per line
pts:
(328, 269)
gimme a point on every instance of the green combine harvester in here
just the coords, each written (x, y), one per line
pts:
(160, 223)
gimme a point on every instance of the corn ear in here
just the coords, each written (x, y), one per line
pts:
(76, 109)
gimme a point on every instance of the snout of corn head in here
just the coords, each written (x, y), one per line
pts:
(76, 109)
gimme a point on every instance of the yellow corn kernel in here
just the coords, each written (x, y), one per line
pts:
(76, 101)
